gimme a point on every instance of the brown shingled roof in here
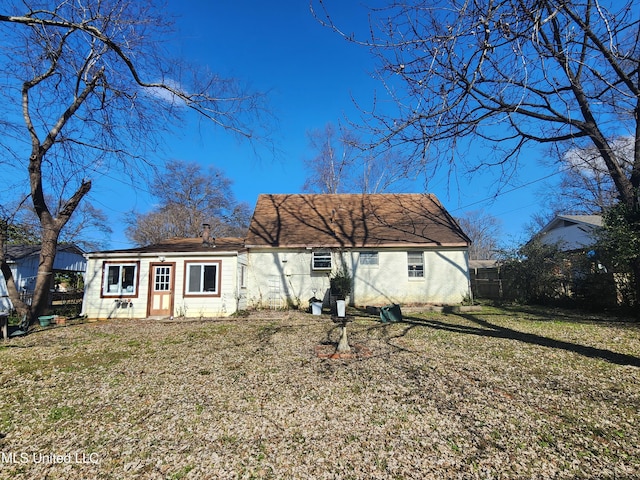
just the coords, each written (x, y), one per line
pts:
(187, 245)
(352, 220)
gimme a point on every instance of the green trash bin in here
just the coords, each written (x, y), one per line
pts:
(390, 313)
(46, 320)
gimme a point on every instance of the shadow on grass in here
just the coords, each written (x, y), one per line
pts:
(620, 316)
(484, 328)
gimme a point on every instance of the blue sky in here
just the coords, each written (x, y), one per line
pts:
(312, 76)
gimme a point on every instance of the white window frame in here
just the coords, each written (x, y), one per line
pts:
(415, 269)
(114, 286)
(203, 266)
(161, 277)
(243, 276)
(319, 260)
(369, 259)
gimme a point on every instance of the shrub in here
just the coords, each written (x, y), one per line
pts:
(340, 283)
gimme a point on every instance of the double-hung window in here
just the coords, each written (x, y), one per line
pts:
(202, 278)
(120, 279)
(369, 258)
(321, 260)
(415, 261)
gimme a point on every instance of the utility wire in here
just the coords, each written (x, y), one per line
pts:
(514, 189)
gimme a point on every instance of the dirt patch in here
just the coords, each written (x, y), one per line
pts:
(330, 351)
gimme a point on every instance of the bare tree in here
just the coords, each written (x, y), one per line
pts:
(343, 164)
(83, 228)
(24, 225)
(509, 74)
(335, 156)
(484, 230)
(88, 87)
(586, 186)
(188, 197)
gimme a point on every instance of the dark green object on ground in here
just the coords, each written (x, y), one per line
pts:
(45, 321)
(390, 313)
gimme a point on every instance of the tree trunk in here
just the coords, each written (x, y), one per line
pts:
(51, 227)
(43, 283)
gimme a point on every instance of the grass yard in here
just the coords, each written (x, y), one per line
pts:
(509, 394)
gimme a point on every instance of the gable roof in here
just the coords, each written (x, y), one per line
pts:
(183, 245)
(353, 220)
(17, 252)
(561, 221)
(570, 232)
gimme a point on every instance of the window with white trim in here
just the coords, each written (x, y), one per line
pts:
(202, 278)
(120, 279)
(368, 258)
(321, 260)
(415, 261)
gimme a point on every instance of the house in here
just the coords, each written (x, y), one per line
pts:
(397, 248)
(193, 277)
(571, 232)
(24, 260)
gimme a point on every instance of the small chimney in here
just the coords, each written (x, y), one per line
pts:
(207, 239)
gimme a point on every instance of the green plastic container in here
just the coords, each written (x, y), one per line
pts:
(390, 313)
(45, 321)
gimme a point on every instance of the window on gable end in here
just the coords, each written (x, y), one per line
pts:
(415, 262)
(368, 258)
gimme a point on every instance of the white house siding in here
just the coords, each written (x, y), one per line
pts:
(94, 306)
(97, 307)
(25, 271)
(205, 306)
(570, 237)
(242, 284)
(445, 281)
(283, 277)
(68, 261)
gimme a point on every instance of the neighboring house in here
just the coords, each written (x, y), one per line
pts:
(193, 277)
(398, 248)
(24, 260)
(571, 232)
(581, 275)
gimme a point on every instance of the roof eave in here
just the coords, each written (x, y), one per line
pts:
(377, 245)
(166, 253)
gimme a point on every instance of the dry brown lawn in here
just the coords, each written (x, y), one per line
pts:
(493, 394)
